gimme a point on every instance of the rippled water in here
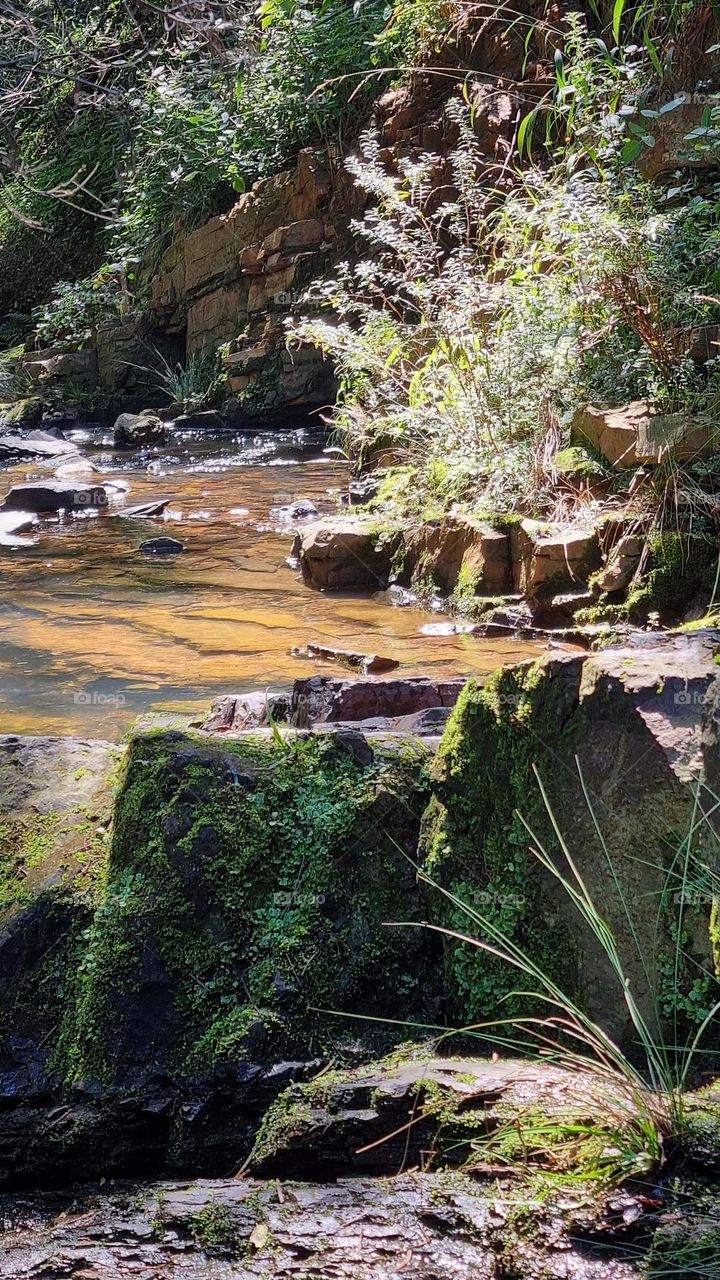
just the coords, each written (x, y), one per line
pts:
(92, 633)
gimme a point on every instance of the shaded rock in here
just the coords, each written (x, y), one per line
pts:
(670, 130)
(300, 509)
(635, 435)
(548, 560)
(202, 419)
(341, 554)
(367, 663)
(52, 366)
(49, 495)
(161, 547)
(325, 699)
(133, 430)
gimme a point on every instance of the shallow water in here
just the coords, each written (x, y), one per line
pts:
(93, 634)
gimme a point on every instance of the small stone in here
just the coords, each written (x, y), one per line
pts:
(161, 547)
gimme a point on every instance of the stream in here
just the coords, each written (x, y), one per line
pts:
(93, 634)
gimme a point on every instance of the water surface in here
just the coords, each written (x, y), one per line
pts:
(93, 634)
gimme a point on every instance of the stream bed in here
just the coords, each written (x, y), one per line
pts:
(93, 633)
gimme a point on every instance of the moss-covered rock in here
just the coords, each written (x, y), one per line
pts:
(246, 897)
(614, 739)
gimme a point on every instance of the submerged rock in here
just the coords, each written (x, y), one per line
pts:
(160, 546)
(368, 663)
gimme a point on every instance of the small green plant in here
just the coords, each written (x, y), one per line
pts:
(194, 385)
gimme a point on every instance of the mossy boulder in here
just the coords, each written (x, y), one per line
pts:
(614, 738)
(244, 908)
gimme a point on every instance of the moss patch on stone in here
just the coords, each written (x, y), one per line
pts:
(246, 897)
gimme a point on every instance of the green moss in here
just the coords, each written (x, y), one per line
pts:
(255, 881)
(215, 1229)
(476, 845)
(579, 463)
(25, 842)
(681, 567)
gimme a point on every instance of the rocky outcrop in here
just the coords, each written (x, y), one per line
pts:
(408, 1227)
(636, 435)
(57, 365)
(345, 553)
(550, 559)
(616, 740)
(457, 555)
(175, 956)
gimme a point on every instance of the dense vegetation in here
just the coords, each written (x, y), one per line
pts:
(121, 121)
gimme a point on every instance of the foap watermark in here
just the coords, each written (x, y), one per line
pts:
(690, 698)
(488, 898)
(95, 496)
(85, 698)
(298, 899)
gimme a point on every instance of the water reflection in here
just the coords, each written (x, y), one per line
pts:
(92, 633)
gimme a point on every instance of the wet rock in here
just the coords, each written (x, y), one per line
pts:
(133, 430)
(367, 663)
(325, 699)
(16, 522)
(203, 420)
(548, 560)
(238, 711)
(339, 554)
(636, 435)
(49, 495)
(34, 444)
(410, 1228)
(161, 547)
(144, 509)
(300, 509)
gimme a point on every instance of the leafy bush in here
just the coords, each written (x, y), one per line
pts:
(76, 309)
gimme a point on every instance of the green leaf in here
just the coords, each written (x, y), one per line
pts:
(617, 19)
(653, 54)
(525, 132)
(630, 150)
